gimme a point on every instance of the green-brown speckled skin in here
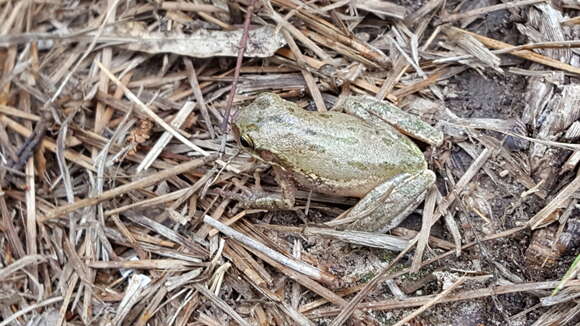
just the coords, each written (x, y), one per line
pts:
(333, 152)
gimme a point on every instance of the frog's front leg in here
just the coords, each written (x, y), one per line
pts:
(377, 113)
(273, 201)
(386, 206)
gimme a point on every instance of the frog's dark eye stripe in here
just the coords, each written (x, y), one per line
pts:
(247, 142)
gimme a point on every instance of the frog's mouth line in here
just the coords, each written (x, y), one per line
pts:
(259, 155)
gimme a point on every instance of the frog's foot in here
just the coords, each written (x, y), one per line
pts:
(269, 200)
(265, 200)
(386, 206)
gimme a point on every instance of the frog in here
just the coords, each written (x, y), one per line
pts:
(362, 149)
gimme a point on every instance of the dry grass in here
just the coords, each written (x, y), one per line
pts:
(118, 171)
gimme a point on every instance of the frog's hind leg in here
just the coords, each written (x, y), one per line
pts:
(378, 112)
(386, 206)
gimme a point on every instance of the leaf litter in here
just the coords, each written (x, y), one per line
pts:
(118, 172)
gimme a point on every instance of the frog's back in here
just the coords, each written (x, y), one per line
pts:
(351, 155)
(332, 152)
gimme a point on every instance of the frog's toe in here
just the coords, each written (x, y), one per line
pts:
(390, 203)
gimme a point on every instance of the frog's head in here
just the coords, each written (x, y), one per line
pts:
(250, 125)
(260, 126)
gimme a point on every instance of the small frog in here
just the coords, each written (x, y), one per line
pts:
(362, 153)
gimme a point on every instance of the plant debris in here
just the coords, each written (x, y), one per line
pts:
(120, 174)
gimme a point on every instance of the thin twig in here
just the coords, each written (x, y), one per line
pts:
(392, 304)
(441, 209)
(30, 308)
(194, 83)
(221, 304)
(242, 49)
(294, 264)
(539, 45)
(158, 119)
(542, 217)
(431, 303)
(141, 183)
(526, 54)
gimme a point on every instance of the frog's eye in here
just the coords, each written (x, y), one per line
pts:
(246, 142)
